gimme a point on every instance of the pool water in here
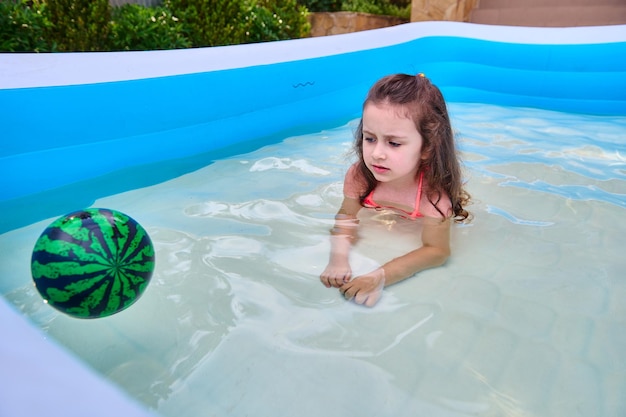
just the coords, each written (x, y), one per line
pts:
(527, 318)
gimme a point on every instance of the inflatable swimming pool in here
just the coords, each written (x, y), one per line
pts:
(70, 118)
(105, 123)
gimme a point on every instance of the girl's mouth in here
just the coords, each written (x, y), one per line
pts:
(379, 169)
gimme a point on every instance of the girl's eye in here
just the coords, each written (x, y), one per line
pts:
(394, 144)
(368, 139)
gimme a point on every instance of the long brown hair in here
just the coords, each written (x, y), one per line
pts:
(425, 105)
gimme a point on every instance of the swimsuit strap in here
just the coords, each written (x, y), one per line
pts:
(418, 199)
(369, 200)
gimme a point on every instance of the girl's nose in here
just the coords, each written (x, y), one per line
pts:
(378, 152)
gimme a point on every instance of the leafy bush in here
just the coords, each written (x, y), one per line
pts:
(93, 25)
(79, 25)
(23, 27)
(399, 8)
(209, 22)
(139, 28)
(273, 20)
(225, 22)
(321, 5)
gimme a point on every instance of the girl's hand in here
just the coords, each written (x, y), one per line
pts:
(336, 273)
(365, 289)
(343, 235)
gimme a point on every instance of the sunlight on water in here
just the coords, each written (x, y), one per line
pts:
(526, 318)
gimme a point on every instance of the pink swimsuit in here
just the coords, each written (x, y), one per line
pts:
(369, 201)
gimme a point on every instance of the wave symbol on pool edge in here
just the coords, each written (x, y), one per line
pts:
(304, 84)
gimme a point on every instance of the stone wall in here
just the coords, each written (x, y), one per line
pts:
(452, 10)
(327, 23)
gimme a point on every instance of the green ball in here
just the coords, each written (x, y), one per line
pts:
(92, 263)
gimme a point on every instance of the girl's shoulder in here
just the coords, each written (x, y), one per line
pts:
(354, 184)
(435, 202)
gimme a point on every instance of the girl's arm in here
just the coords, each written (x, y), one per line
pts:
(367, 289)
(434, 252)
(343, 234)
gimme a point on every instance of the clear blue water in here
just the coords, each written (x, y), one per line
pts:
(526, 319)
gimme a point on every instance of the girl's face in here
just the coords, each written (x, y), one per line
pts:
(392, 146)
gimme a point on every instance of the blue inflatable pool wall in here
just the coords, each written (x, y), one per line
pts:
(107, 117)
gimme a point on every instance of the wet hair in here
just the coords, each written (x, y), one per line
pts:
(422, 102)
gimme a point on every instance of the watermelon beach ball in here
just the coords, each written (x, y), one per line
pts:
(92, 263)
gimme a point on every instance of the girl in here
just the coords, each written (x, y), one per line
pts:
(407, 163)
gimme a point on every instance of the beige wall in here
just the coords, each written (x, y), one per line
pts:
(454, 10)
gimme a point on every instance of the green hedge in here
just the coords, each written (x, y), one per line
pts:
(226, 22)
(24, 26)
(272, 20)
(138, 28)
(399, 8)
(322, 5)
(93, 25)
(79, 25)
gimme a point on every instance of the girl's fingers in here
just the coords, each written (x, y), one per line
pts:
(355, 292)
(337, 282)
(361, 297)
(334, 281)
(347, 295)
